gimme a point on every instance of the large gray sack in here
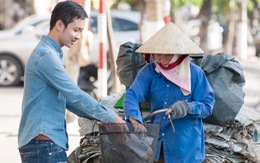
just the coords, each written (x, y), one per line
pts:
(227, 80)
(128, 63)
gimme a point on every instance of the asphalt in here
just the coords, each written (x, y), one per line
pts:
(11, 99)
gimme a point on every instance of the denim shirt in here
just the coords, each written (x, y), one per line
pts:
(48, 91)
(186, 144)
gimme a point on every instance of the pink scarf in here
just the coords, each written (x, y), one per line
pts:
(177, 72)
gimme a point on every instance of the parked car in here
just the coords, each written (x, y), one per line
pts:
(24, 26)
(125, 28)
(16, 46)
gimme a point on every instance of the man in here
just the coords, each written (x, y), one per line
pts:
(49, 90)
(171, 82)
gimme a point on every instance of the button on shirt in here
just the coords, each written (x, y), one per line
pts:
(48, 91)
(186, 144)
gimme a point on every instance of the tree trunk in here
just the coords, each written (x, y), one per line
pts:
(29, 7)
(204, 16)
(257, 7)
(172, 13)
(112, 53)
(154, 18)
(141, 22)
(241, 40)
(228, 44)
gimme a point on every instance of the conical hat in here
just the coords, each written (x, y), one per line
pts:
(170, 40)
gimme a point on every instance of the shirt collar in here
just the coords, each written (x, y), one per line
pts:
(54, 44)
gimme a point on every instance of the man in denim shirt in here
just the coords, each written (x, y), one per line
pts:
(49, 90)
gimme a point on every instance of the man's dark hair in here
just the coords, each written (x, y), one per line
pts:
(67, 12)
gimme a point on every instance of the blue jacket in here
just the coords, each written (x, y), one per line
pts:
(48, 91)
(186, 144)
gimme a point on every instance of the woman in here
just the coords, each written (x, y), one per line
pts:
(171, 82)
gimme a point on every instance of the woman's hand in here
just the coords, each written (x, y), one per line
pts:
(138, 127)
(178, 110)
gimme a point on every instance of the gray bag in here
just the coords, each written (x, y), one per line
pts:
(227, 80)
(128, 63)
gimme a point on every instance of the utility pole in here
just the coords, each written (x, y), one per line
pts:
(102, 34)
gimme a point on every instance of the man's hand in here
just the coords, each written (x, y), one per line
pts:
(119, 120)
(178, 110)
(119, 125)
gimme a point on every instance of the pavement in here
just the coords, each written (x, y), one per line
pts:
(10, 113)
(11, 100)
(251, 68)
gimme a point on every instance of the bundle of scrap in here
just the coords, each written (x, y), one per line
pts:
(237, 142)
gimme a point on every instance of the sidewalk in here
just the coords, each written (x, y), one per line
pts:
(251, 69)
(11, 100)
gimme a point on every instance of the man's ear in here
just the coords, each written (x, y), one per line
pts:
(60, 25)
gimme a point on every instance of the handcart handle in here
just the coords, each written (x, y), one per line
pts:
(154, 113)
(157, 112)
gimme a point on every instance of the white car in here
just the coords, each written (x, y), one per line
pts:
(24, 26)
(17, 46)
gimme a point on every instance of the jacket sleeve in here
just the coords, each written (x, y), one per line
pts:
(137, 93)
(77, 101)
(202, 98)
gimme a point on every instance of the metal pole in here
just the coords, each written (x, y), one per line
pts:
(102, 34)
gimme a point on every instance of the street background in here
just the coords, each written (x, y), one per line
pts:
(11, 100)
(206, 26)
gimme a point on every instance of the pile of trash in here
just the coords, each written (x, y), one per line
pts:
(236, 142)
(88, 150)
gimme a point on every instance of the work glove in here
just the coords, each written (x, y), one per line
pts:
(178, 110)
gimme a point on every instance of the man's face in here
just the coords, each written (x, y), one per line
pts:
(72, 33)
